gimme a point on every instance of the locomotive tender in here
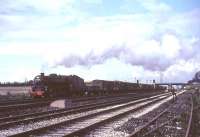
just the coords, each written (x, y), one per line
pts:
(67, 86)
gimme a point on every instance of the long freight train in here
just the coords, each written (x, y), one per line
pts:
(67, 86)
(101, 87)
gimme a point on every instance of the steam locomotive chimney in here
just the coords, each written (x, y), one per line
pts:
(42, 74)
(138, 82)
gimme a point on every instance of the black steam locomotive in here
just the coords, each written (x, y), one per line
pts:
(57, 86)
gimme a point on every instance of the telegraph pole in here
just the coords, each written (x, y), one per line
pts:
(161, 76)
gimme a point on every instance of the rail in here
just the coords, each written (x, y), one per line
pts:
(96, 114)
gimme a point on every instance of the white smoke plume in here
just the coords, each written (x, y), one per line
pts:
(153, 55)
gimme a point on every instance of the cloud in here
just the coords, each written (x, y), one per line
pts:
(63, 34)
(93, 1)
(91, 59)
(37, 6)
(155, 6)
(152, 55)
(156, 47)
(21, 74)
(151, 6)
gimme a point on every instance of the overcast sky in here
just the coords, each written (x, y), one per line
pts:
(100, 39)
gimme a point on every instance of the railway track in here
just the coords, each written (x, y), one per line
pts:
(75, 99)
(15, 101)
(10, 121)
(24, 105)
(81, 123)
(150, 128)
(19, 109)
(190, 119)
(6, 106)
(7, 121)
(7, 102)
